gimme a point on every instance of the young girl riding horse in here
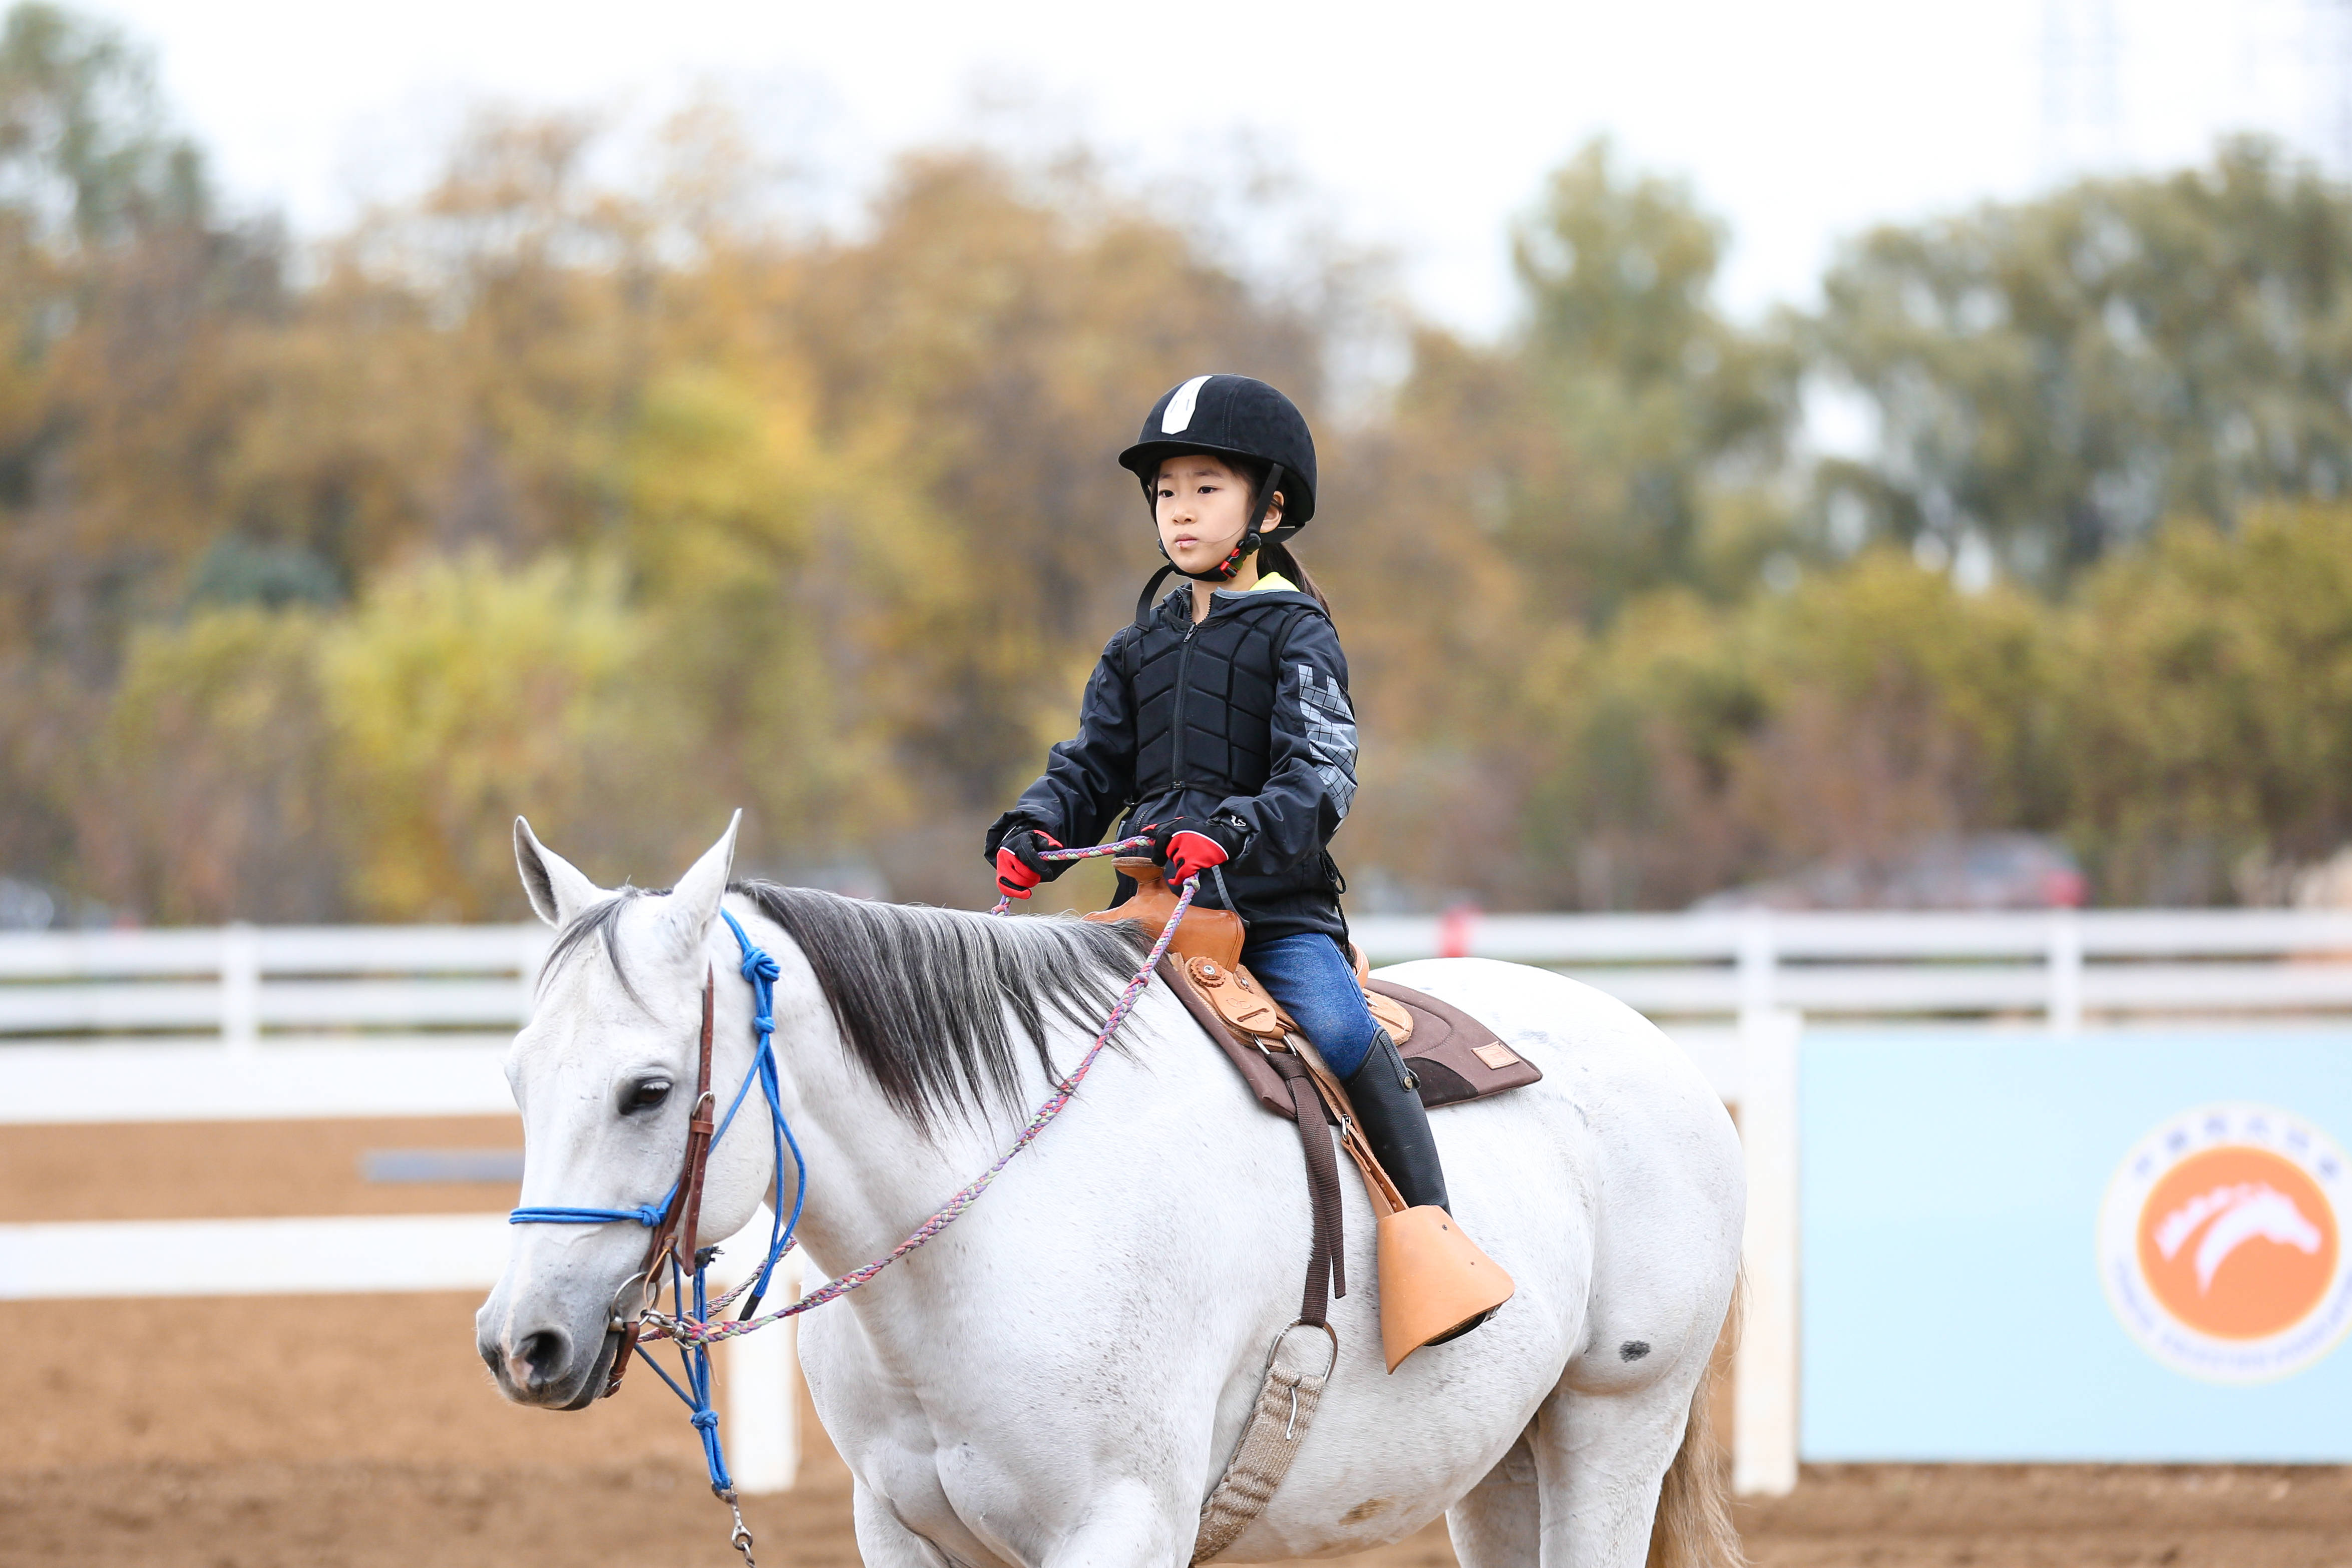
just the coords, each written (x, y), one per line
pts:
(1219, 722)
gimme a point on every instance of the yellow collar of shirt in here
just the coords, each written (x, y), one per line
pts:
(1274, 582)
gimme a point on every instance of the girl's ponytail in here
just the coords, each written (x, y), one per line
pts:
(1274, 558)
(1277, 558)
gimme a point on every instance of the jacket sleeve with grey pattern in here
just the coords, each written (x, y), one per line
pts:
(1311, 776)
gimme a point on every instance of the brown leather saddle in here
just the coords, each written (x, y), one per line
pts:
(1434, 1278)
(1454, 1056)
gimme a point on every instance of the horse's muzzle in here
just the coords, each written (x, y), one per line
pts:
(545, 1367)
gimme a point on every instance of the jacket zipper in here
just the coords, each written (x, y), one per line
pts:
(1176, 747)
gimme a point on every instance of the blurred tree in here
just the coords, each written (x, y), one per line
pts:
(2208, 703)
(541, 300)
(2057, 376)
(1651, 395)
(460, 695)
(1846, 721)
(126, 301)
(87, 157)
(1009, 335)
(1612, 443)
(770, 569)
(1442, 626)
(1519, 496)
(208, 793)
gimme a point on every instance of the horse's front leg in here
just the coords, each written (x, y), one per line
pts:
(1130, 1526)
(882, 1541)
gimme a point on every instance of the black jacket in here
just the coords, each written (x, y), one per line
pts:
(1246, 712)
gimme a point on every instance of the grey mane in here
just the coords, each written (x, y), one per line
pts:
(929, 1000)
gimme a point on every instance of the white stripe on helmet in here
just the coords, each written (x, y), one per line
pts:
(1180, 407)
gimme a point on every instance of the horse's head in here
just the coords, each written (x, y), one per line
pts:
(605, 1075)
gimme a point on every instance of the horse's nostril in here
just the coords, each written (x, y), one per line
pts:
(542, 1355)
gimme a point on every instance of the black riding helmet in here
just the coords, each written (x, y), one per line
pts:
(1231, 416)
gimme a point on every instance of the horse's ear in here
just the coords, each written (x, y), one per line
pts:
(557, 888)
(694, 902)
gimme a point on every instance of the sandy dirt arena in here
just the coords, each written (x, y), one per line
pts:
(360, 1430)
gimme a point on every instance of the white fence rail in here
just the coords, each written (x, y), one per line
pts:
(406, 1021)
(238, 984)
(2062, 967)
(243, 984)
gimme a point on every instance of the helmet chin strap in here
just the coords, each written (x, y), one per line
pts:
(1251, 541)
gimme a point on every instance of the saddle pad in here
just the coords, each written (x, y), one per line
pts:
(1456, 1057)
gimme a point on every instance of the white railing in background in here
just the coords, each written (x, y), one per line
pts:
(240, 983)
(403, 1021)
(2059, 967)
(244, 985)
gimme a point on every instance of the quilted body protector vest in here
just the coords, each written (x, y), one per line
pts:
(1246, 711)
(1208, 698)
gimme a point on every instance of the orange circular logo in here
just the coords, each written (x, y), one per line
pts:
(2237, 1242)
(2220, 1243)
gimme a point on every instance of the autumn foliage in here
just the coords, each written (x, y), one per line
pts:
(623, 503)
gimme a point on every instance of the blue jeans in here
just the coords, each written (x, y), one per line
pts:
(1310, 975)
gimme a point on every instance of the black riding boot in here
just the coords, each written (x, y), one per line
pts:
(1396, 1124)
(1398, 1129)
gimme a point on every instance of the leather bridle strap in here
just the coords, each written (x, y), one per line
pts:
(682, 1221)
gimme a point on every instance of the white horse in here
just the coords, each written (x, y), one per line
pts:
(1062, 1376)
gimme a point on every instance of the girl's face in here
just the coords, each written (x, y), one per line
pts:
(1203, 505)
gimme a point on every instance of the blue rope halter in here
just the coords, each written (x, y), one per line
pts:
(761, 971)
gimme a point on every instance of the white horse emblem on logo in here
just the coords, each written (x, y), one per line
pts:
(2220, 1243)
(2238, 1214)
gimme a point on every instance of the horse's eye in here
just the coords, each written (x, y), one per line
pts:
(645, 1094)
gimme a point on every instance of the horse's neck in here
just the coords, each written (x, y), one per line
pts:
(873, 1175)
(1124, 1159)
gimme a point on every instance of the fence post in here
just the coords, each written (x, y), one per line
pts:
(2065, 971)
(240, 988)
(1764, 1375)
(762, 1380)
(1758, 956)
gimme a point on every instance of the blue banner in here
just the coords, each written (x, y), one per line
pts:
(2120, 1247)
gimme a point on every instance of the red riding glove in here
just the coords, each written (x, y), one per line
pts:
(1019, 865)
(1189, 845)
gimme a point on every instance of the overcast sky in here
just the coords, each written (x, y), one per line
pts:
(1429, 126)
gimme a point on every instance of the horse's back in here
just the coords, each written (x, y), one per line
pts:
(1657, 1159)
(1607, 1189)
(1567, 1026)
